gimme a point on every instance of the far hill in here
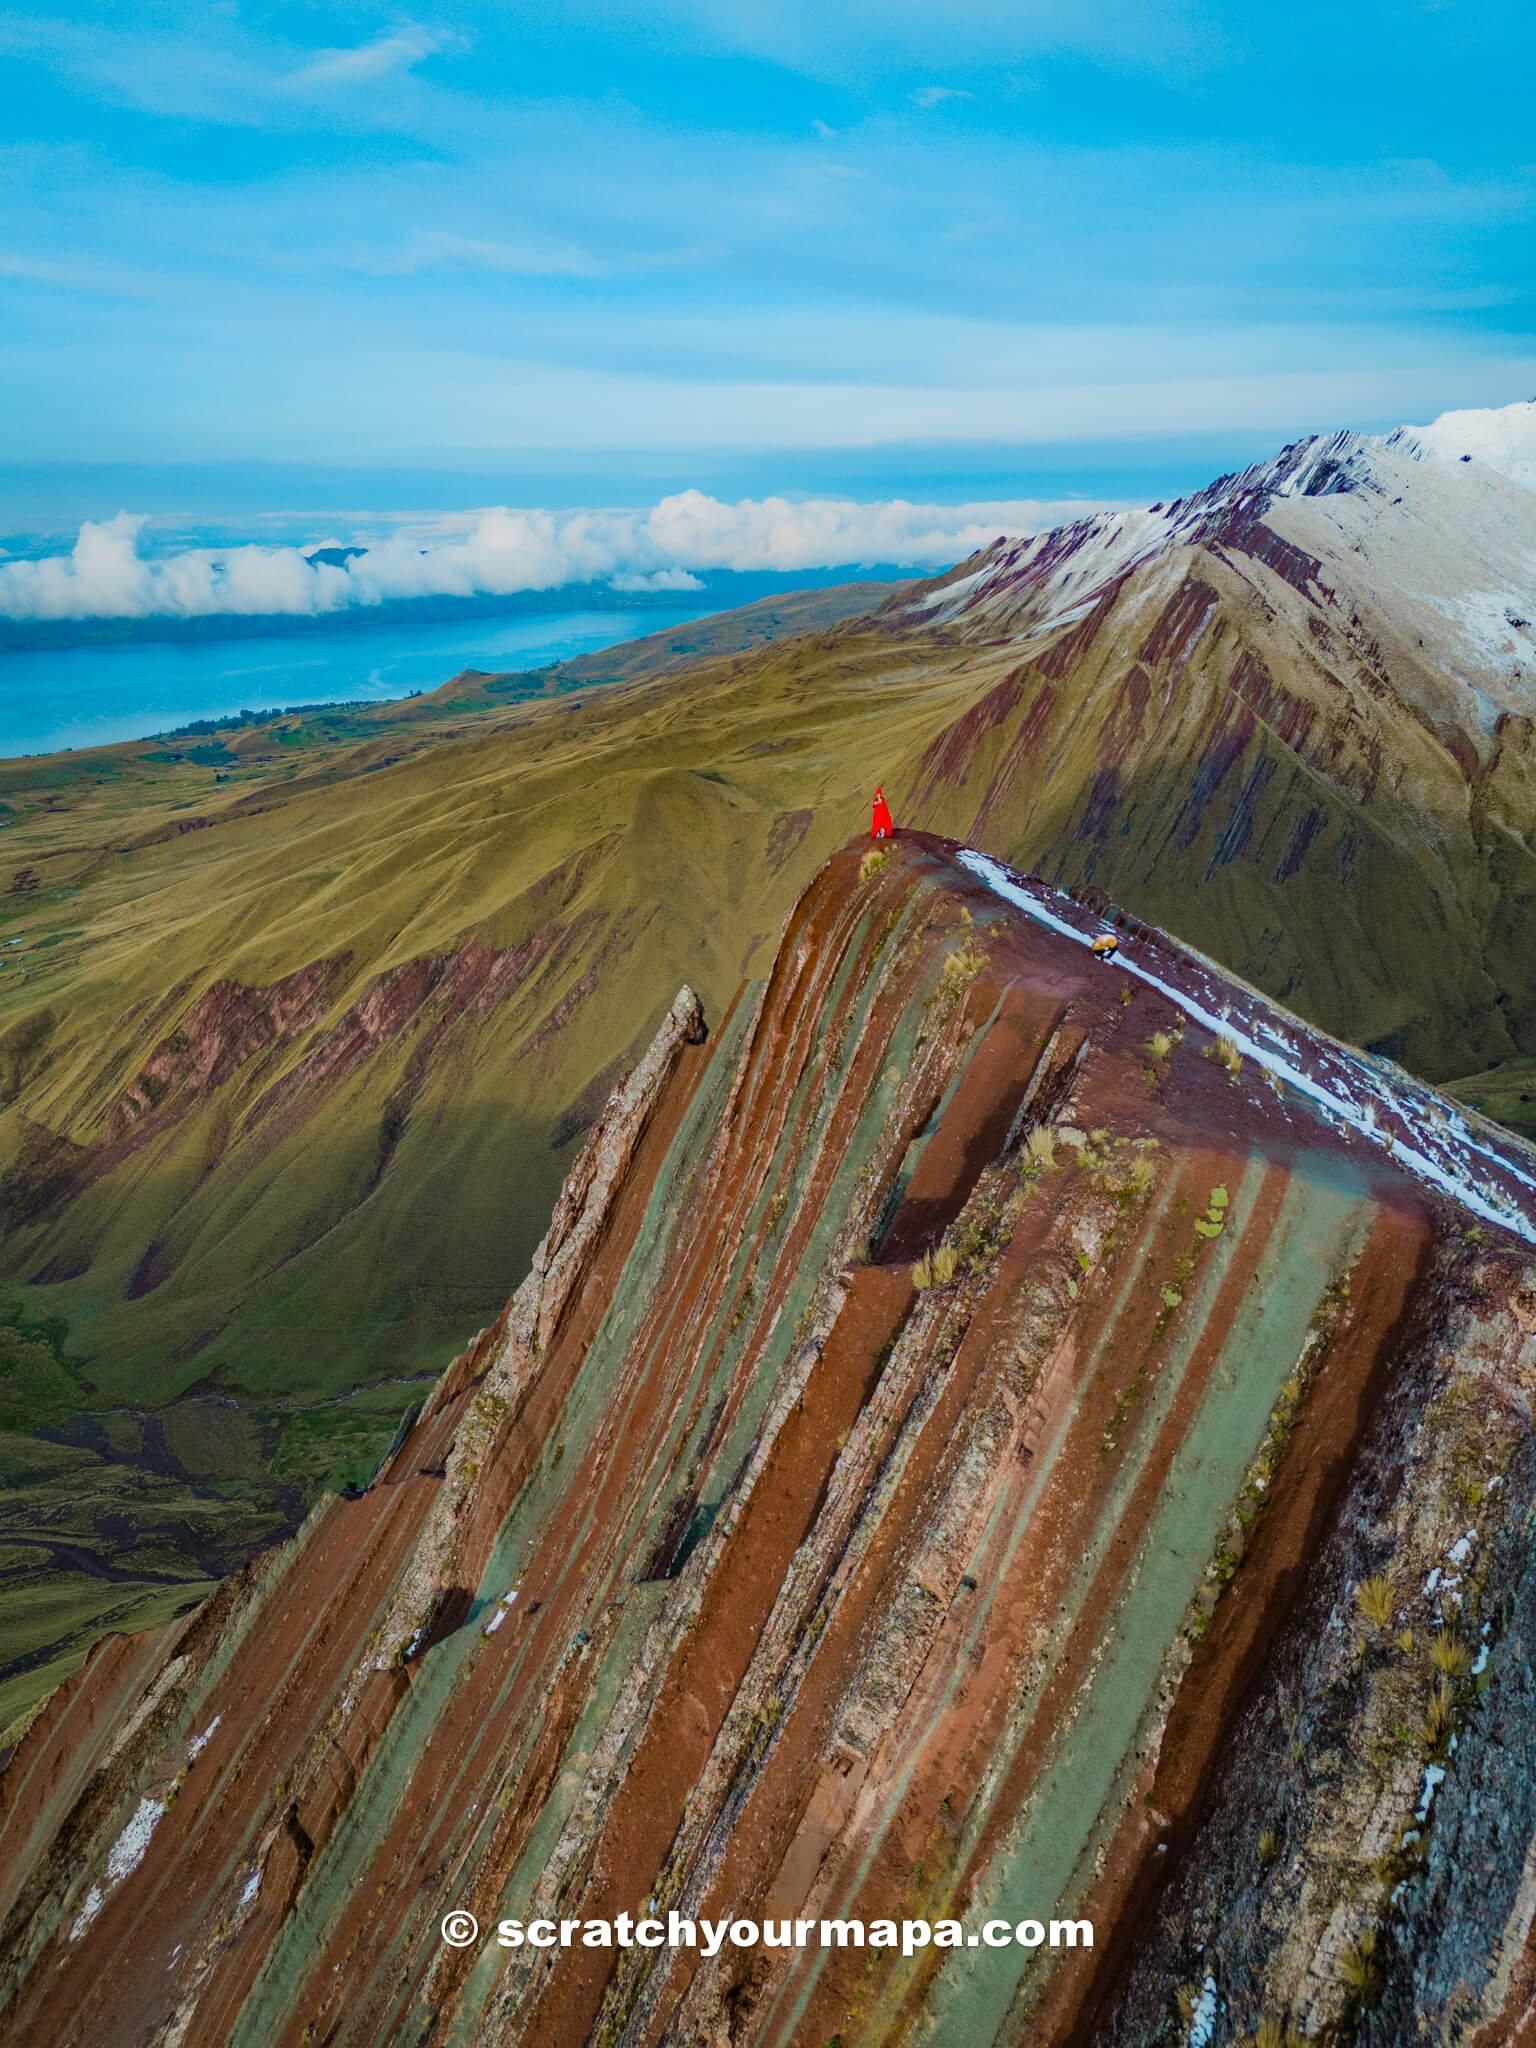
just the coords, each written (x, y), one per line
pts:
(735, 632)
(306, 1020)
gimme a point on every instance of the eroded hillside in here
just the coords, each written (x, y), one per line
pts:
(972, 1441)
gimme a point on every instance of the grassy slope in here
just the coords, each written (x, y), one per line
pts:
(771, 618)
(1506, 1092)
(372, 838)
(660, 831)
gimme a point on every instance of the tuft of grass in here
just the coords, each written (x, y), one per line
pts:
(1041, 1145)
(1269, 1847)
(1376, 1597)
(935, 1268)
(1159, 1045)
(1450, 1655)
(1228, 1054)
(961, 968)
(1272, 2033)
(1439, 1720)
(875, 862)
(1360, 1968)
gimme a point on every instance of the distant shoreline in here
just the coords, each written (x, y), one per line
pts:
(204, 688)
(75, 698)
(719, 590)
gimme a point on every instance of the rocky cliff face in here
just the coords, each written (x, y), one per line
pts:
(987, 1433)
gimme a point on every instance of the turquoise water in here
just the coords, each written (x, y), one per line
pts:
(89, 696)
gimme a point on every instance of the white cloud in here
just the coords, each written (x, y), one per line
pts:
(659, 579)
(503, 550)
(370, 61)
(434, 248)
(210, 66)
(927, 96)
(781, 533)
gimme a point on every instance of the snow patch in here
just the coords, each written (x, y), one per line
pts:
(199, 1743)
(124, 1857)
(252, 1888)
(501, 1613)
(127, 1851)
(1496, 624)
(958, 588)
(1202, 2020)
(1347, 1087)
(1503, 437)
(1434, 1778)
(87, 1913)
(1054, 621)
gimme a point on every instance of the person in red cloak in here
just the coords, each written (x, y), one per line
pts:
(880, 824)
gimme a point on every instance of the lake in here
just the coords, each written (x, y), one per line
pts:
(90, 696)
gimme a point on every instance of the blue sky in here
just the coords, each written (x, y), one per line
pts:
(259, 258)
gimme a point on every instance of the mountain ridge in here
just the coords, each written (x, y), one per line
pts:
(757, 1558)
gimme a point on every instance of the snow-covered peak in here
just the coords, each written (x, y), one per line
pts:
(1036, 583)
(1424, 561)
(1503, 437)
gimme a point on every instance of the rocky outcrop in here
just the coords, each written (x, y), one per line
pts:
(975, 1443)
(502, 1360)
(225, 1027)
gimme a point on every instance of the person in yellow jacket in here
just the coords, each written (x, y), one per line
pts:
(1105, 947)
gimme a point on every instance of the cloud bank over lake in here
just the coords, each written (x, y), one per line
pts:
(109, 573)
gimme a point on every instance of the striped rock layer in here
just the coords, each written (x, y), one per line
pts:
(967, 1447)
